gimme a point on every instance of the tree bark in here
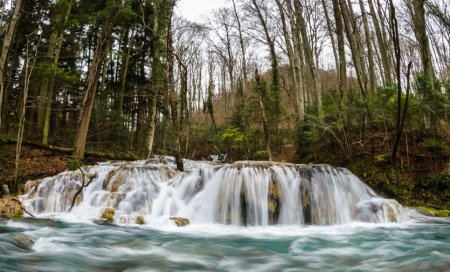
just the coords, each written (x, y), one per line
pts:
(309, 57)
(298, 61)
(417, 11)
(48, 83)
(160, 11)
(7, 40)
(382, 45)
(342, 58)
(27, 71)
(371, 66)
(91, 85)
(263, 110)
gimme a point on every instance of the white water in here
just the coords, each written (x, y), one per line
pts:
(243, 193)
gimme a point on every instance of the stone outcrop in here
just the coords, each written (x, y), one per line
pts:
(10, 208)
(180, 221)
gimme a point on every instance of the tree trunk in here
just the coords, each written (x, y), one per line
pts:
(263, 110)
(382, 45)
(371, 66)
(7, 40)
(159, 69)
(241, 44)
(48, 83)
(173, 98)
(91, 85)
(342, 59)
(309, 57)
(292, 59)
(419, 25)
(27, 70)
(123, 73)
(298, 60)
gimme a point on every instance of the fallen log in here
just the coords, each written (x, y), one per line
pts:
(67, 150)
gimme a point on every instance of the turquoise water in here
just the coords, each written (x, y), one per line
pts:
(68, 245)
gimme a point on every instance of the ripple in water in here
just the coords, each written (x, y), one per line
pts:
(68, 246)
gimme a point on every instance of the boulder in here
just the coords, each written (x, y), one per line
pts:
(31, 187)
(23, 241)
(108, 214)
(10, 208)
(140, 220)
(180, 221)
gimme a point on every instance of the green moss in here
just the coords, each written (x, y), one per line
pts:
(108, 214)
(438, 213)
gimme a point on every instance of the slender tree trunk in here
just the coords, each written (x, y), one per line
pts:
(275, 83)
(48, 84)
(7, 40)
(241, 44)
(123, 74)
(382, 45)
(342, 58)
(159, 68)
(371, 66)
(397, 51)
(263, 110)
(173, 97)
(330, 33)
(309, 57)
(292, 59)
(27, 71)
(298, 60)
(419, 25)
(91, 85)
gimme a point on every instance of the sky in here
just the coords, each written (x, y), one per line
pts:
(195, 10)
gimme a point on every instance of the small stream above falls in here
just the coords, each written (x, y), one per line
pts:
(241, 193)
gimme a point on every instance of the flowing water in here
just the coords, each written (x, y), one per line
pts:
(246, 216)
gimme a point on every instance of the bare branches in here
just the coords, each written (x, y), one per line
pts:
(83, 182)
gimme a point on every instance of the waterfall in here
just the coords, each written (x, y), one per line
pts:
(241, 193)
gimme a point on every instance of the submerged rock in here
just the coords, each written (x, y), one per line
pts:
(10, 208)
(180, 221)
(23, 241)
(108, 214)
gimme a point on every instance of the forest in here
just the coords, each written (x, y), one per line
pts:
(361, 84)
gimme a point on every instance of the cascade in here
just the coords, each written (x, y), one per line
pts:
(241, 193)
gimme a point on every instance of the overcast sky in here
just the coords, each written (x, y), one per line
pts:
(195, 10)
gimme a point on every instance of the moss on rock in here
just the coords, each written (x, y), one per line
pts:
(140, 220)
(180, 221)
(10, 208)
(108, 214)
(434, 212)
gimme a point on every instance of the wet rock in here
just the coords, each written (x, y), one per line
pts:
(392, 209)
(31, 187)
(114, 180)
(23, 241)
(10, 208)
(108, 214)
(125, 219)
(180, 221)
(113, 199)
(140, 220)
(274, 201)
